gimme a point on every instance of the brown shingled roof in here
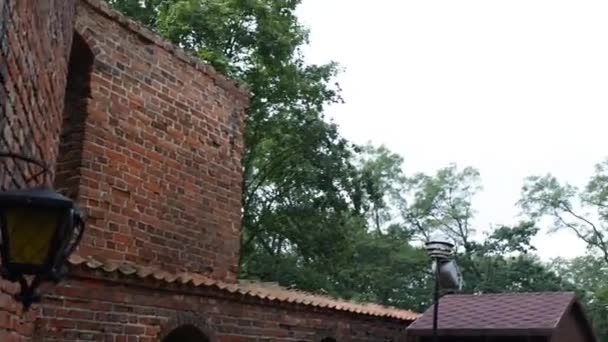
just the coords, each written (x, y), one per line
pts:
(256, 290)
(529, 314)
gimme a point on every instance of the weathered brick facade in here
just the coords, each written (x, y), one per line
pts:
(149, 141)
(35, 40)
(118, 311)
(160, 162)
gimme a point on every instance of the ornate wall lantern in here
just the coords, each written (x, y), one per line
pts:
(39, 229)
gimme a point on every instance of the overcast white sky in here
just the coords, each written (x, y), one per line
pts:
(512, 88)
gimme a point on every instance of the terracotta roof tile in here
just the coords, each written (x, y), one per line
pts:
(267, 291)
(539, 312)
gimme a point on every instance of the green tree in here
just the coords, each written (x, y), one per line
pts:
(589, 275)
(505, 240)
(500, 261)
(144, 11)
(382, 183)
(582, 211)
(386, 268)
(503, 262)
(443, 202)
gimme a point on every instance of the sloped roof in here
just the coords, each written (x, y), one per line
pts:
(529, 314)
(256, 290)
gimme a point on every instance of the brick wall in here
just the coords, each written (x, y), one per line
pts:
(160, 173)
(35, 38)
(14, 324)
(96, 310)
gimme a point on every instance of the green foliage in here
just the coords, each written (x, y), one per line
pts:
(501, 263)
(581, 211)
(144, 11)
(589, 276)
(520, 273)
(386, 269)
(584, 212)
(506, 240)
(443, 202)
(381, 184)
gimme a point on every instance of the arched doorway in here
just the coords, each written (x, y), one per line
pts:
(186, 333)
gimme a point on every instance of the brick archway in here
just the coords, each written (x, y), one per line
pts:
(187, 328)
(186, 333)
(329, 334)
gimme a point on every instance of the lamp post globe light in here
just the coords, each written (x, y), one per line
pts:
(447, 275)
(39, 229)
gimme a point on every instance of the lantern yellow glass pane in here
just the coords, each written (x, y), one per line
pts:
(30, 234)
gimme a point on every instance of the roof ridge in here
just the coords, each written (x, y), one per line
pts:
(248, 288)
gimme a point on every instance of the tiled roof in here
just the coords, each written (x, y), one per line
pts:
(256, 290)
(509, 313)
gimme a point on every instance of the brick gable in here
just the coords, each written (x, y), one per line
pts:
(161, 156)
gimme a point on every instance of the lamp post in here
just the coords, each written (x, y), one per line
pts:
(445, 270)
(39, 229)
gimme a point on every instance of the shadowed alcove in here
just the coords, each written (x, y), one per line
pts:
(186, 333)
